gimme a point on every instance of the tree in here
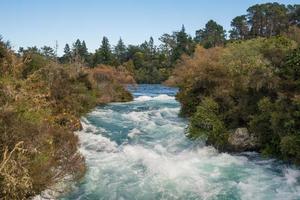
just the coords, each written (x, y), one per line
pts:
(151, 46)
(67, 57)
(211, 36)
(267, 19)
(83, 51)
(76, 47)
(48, 52)
(80, 51)
(148, 48)
(240, 28)
(168, 43)
(183, 45)
(104, 55)
(120, 51)
(29, 50)
(294, 14)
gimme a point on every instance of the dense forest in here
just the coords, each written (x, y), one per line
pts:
(250, 78)
(250, 81)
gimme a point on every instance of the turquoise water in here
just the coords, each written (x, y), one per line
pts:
(138, 150)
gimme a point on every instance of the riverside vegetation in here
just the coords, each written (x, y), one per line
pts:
(249, 80)
(41, 102)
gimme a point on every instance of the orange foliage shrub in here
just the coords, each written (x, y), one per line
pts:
(104, 73)
(190, 68)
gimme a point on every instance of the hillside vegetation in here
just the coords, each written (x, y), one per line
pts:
(41, 102)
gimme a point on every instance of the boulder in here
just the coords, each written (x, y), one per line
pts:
(242, 140)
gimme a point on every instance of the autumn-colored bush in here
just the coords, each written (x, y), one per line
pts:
(28, 150)
(112, 81)
(199, 76)
(105, 73)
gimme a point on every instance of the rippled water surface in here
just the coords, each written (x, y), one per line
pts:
(138, 150)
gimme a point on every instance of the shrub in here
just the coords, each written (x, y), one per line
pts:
(207, 124)
(290, 148)
(33, 62)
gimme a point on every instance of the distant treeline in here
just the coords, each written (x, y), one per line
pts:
(153, 64)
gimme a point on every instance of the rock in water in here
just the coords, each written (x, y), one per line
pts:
(242, 140)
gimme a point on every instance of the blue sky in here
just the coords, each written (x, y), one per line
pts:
(42, 22)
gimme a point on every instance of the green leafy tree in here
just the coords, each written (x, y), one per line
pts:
(294, 14)
(240, 28)
(184, 45)
(48, 52)
(168, 43)
(211, 36)
(267, 19)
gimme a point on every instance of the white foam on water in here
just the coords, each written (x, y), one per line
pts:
(89, 141)
(136, 116)
(162, 163)
(87, 127)
(134, 132)
(291, 175)
(143, 98)
(159, 97)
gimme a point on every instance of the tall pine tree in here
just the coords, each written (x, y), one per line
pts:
(67, 57)
(120, 52)
(104, 54)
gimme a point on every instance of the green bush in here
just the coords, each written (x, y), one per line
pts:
(207, 124)
(290, 148)
(35, 62)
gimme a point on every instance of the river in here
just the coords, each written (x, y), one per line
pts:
(138, 150)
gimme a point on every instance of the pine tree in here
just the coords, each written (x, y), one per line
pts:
(120, 52)
(83, 51)
(48, 52)
(67, 57)
(152, 48)
(104, 55)
(76, 47)
(184, 45)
